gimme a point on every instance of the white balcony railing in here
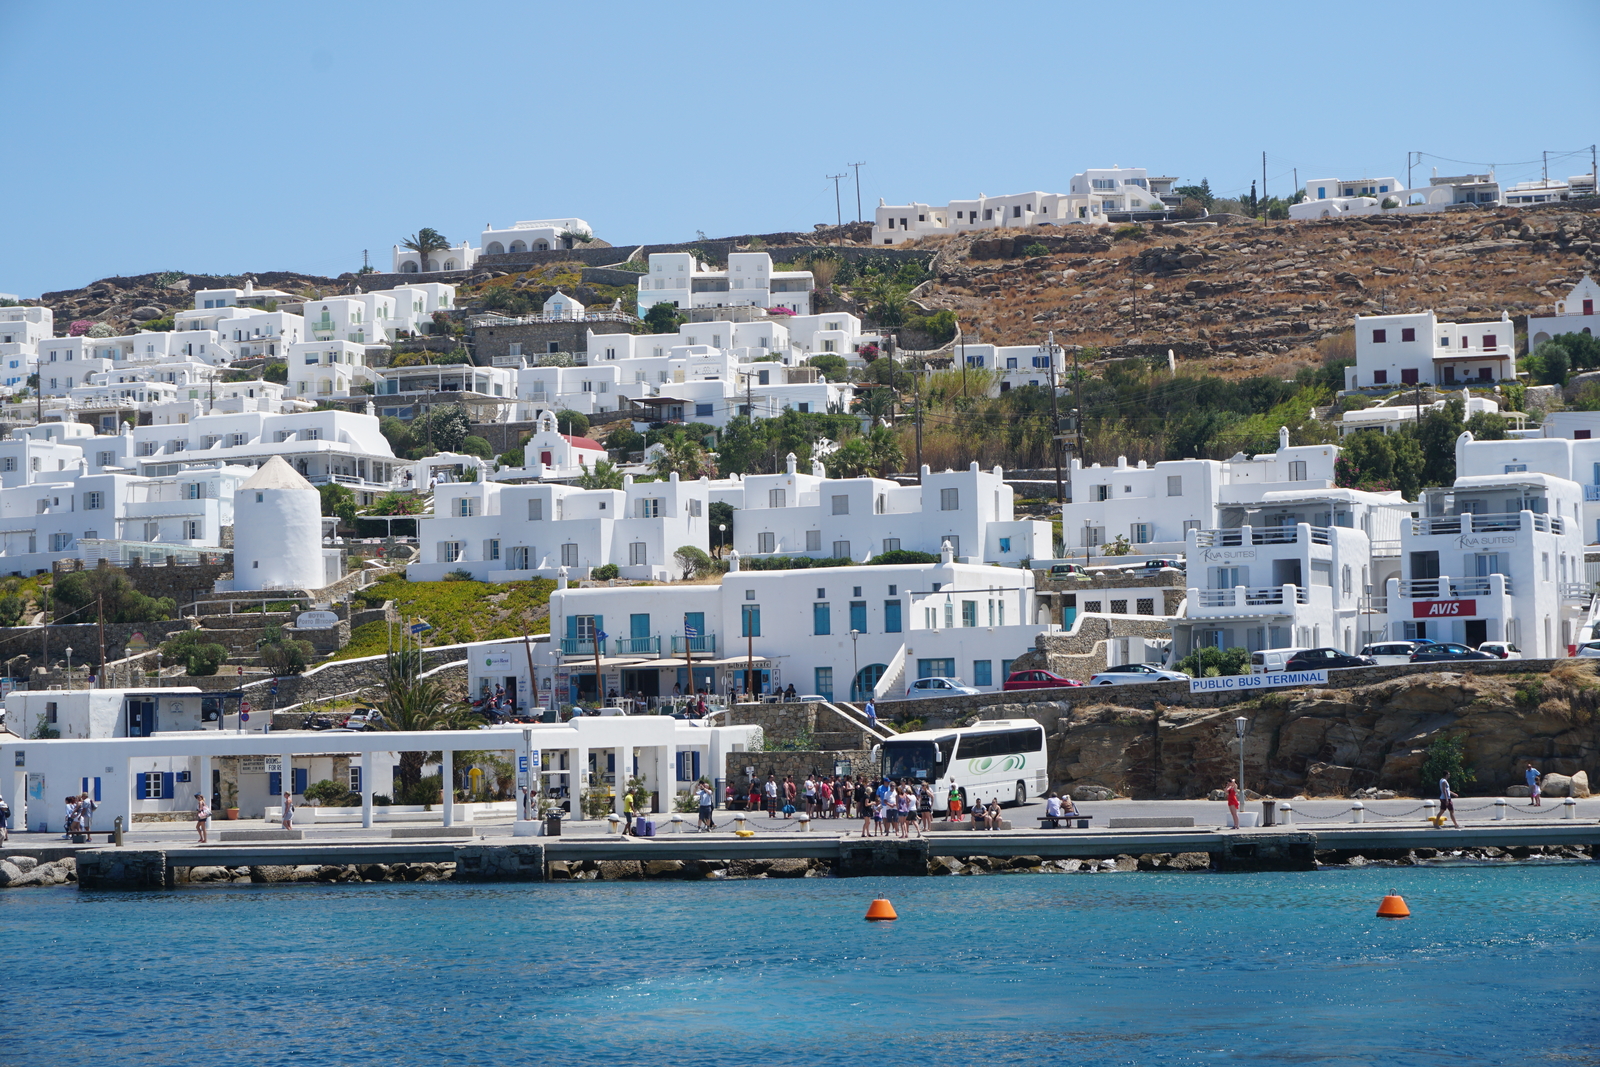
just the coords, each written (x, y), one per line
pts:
(1468, 522)
(1271, 599)
(1576, 591)
(1447, 588)
(1261, 535)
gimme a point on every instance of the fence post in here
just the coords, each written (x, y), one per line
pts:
(1358, 812)
(1286, 814)
(1499, 809)
(1569, 808)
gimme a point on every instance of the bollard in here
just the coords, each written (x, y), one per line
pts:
(677, 823)
(805, 822)
(116, 831)
(1499, 809)
(614, 819)
(1358, 812)
(1286, 814)
(1431, 807)
(738, 817)
(1569, 808)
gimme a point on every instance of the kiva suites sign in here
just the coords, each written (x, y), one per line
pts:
(1444, 609)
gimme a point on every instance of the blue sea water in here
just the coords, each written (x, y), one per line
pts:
(1498, 965)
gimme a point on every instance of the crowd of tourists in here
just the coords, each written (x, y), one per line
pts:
(886, 808)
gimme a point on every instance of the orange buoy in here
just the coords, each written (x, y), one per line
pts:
(1393, 907)
(880, 911)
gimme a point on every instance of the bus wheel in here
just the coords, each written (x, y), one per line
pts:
(1022, 794)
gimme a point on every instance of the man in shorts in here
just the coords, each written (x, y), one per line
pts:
(1447, 803)
(1532, 776)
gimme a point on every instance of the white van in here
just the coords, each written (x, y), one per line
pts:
(1269, 660)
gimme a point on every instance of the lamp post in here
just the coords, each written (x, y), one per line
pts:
(722, 538)
(127, 654)
(158, 668)
(69, 666)
(1239, 725)
(855, 661)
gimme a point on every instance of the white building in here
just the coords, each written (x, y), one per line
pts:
(794, 627)
(1391, 417)
(1565, 446)
(1119, 189)
(1334, 197)
(1290, 568)
(26, 325)
(461, 257)
(501, 532)
(1496, 557)
(679, 279)
(1550, 190)
(898, 223)
(1014, 365)
(1155, 507)
(533, 235)
(322, 369)
(1575, 314)
(1417, 349)
(794, 514)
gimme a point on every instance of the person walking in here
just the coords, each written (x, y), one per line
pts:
(86, 809)
(872, 714)
(202, 816)
(1233, 802)
(288, 808)
(1447, 803)
(1532, 775)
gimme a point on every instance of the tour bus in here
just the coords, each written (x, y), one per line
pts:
(999, 760)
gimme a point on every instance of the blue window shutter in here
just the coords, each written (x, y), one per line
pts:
(300, 774)
(821, 620)
(572, 627)
(166, 785)
(599, 626)
(696, 775)
(891, 616)
(274, 783)
(611, 763)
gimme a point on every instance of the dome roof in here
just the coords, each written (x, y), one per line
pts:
(276, 473)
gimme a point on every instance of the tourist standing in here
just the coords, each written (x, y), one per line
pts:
(771, 790)
(288, 807)
(627, 814)
(704, 797)
(1233, 802)
(872, 714)
(925, 807)
(86, 807)
(70, 818)
(810, 795)
(1532, 775)
(202, 816)
(954, 803)
(1447, 803)
(5, 820)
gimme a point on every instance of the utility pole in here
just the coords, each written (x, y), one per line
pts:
(100, 608)
(857, 167)
(1263, 180)
(916, 400)
(1077, 419)
(1408, 168)
(888, 343)
(961, 345)
(1055, 416)
(838, 211)
(1546, 168)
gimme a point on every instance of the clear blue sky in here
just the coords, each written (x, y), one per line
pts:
(225, 137)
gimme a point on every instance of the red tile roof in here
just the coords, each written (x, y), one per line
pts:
(583, 442)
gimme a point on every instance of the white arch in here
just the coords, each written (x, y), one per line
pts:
(541, 246)
(408, 267)
(495, 249)
(518, 246)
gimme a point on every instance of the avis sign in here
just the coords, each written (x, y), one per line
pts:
(1443, 609)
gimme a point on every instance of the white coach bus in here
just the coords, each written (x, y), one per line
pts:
(1001, 760)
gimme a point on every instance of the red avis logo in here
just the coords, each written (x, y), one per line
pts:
(1443, 609)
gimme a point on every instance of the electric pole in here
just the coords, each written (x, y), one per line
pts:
(1055, 415)
(916, 400)
(857, 167)
(838, 211)
(1263, 181)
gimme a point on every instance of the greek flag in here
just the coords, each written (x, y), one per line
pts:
(689, 631)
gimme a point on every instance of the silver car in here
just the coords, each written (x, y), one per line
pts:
(1136, 672)
(939, 687)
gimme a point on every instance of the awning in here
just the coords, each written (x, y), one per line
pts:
(577, 664)
(761, 662)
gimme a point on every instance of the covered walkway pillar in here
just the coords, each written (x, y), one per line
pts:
(447, 779)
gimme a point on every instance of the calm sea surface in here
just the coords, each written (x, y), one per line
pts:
(1498, 965)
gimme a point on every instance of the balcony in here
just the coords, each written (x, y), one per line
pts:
(638, 646)
(1591, 493)
(705, 644)
(1246, 600)
(1261, 535)
(1577, 591)
(1468, 522)
(1447, 588)
(577, 646)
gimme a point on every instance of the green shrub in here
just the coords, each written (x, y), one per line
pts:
(605, 572)
(331, 794)
(1036, 249)
(1212, 662)
(473, 445)
(575, 423)
(199, 654)
(1446, 759)
(459, 575)
(426, 791)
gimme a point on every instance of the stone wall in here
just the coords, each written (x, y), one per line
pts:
(490, 342)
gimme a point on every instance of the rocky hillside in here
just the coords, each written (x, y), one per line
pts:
(125, 303)
(1245, 294)
(1335, 742)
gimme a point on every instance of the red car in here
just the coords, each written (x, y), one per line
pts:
(1037, 680)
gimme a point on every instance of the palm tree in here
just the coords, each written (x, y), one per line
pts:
(424, 242)
(410, 703)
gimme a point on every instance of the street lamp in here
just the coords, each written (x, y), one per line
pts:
(722, 537)
(158, 668)
(855, 661)
(1239, 726)
(69, 666)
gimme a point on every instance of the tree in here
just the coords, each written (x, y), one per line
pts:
(411, 704)
(1201, 192)
(572, 423)
(830, 366)
(391, 504)
(424, 243)
(685, 457)
(663, 318)
(115, 595)
(1380, 463)
(1209, 661)
(337, 500)
(447, 427)
(1582, 348)
(473, 445)
(286, 655)
(1550, 364)
(692, 560)
(605, 475)
(719, 513)
(11, 608)
(625, 439)
(195, 649)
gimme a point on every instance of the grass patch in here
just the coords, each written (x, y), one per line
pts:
(458, 611)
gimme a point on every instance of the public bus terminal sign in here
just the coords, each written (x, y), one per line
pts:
(1242, 683)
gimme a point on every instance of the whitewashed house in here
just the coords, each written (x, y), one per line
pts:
(1391, 417)
(795, 514)
(1417, 349)
(1334, 197)
(459, 257)
(1495, 557)
(1575, 314)
(679, 279)
(1015, 365)
(560, 306)
(898, 223)
(323, 369)
(550, 454)
(533, 235)
(1565, 446)
(500, 532)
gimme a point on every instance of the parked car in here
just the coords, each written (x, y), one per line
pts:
(1163, 565)
(1037, 680)
(1136, 672)
(363, 719)
(1322, 659)
(1058, 571)
(939, 687)
(1589, 650)
(1446, 651)
(1389, 653)
(1272, 659)
(1502, 649)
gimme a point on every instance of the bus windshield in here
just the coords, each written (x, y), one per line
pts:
(916, 761)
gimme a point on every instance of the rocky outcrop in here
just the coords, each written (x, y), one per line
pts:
(1339, 742)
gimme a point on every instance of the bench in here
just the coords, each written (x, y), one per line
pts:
(1053, 822)
(1151, 822)
(261, 835)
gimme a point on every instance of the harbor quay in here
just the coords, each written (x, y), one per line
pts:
(1120, 835)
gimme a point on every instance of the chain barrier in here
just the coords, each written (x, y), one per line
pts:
(1401, 815)
(1534, 813)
